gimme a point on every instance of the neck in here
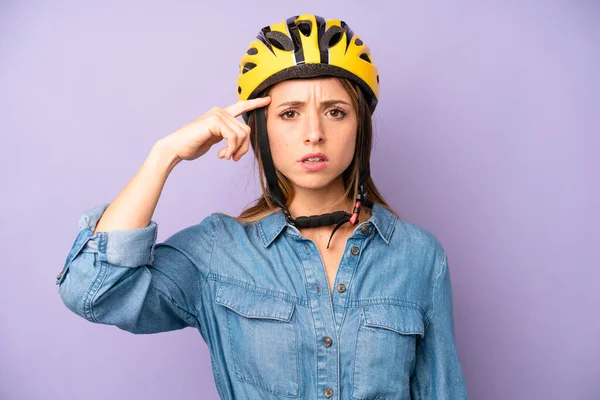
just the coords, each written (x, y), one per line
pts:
(319, 201)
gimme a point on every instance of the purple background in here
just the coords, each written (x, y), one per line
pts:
(487, 135)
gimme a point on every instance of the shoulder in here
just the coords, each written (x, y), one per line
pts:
(197, 236)
(230, 231)
(413, 235)
(231, 224)
(419, 250)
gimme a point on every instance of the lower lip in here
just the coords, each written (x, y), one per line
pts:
(313, 166)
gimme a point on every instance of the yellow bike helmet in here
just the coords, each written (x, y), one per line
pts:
(306, 46)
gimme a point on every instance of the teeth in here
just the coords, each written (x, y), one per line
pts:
(314, 159)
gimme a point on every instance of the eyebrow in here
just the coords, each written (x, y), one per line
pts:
(326, 103)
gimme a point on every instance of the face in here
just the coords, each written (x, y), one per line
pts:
(308, 116)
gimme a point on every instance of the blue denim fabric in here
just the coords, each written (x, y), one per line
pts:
(259, 296)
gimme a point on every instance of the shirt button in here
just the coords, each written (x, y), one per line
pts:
(59, 275)
(307, 249)
(328, 392)
(328, 341)
(364, 229)
(355, 250)
(341, 288)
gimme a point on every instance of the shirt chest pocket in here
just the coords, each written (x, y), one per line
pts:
(263, 338)
(386, 351)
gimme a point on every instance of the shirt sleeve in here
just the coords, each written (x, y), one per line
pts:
(124, 278)
(438, 374)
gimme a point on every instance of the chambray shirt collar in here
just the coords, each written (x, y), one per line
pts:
(272, 225)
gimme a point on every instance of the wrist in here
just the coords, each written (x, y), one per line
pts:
(162, 157)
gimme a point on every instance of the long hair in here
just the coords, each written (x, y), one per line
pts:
(263, 205)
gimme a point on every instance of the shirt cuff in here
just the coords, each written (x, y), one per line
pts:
(125, 247)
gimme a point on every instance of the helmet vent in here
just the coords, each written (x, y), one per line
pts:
(331, 37)
(279, 40)
(247, 67)
(305, 27)
(365, 57)
(252, 51)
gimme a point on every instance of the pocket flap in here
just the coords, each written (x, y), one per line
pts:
(401, 319)
(253, 304)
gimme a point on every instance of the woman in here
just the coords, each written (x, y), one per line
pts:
(287, 308)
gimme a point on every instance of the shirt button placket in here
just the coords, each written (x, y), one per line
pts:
(327, 357)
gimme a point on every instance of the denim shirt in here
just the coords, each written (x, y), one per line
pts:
(259, 296)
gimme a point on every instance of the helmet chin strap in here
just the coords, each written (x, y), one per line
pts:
(337, 218)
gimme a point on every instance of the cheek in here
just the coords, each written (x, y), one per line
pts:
(280, 147)
(348, 152)
(346, 145)
(273, 138)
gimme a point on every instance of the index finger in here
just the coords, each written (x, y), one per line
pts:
(242, 106)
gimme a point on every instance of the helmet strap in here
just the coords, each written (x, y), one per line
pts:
(337, 218)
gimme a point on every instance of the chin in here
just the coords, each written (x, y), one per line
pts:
(311, 181)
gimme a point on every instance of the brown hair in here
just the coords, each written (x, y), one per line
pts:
(263, 205)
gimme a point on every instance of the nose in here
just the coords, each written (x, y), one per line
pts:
(314, 129)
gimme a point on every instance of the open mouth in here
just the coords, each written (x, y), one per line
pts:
(314, 159)
(314, 164)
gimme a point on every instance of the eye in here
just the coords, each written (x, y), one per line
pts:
(288, 114)
(337, 113)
